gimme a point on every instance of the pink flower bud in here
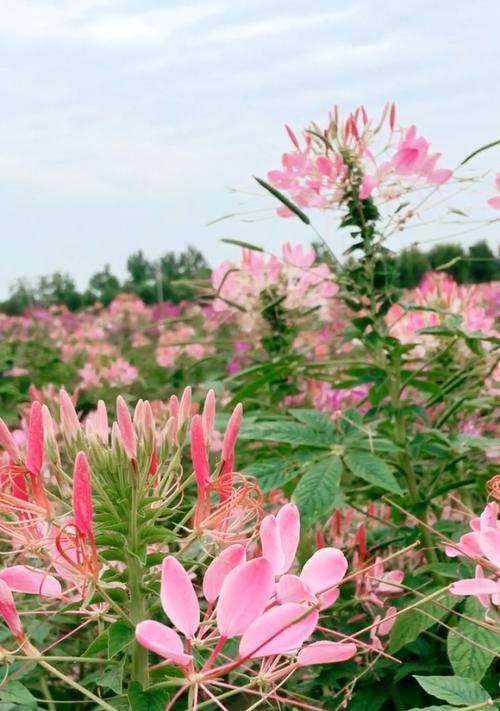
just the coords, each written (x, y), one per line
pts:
(8, 442)
(34, 454)
(171, 432)
(199, 454)
(173, 406)
(185, 406)
(127, 432)
(208, 416)
(231, 435)
(70, 424)
(82, 495)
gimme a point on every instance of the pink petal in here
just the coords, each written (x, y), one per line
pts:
(21, 578)
(290, 588)
(8, 610)
(328, 598)
(220, 568)
(438, 177)
(368, 184)
(325, 652)
(126, 427)
(178, 597)
(277, 632)
(271, 543)
(494, 202)
(386, 587)
(288, 519)
(489, 542)
(82, 495)
(324, 569)
(475, 586)
(34, 454)
(162, 640)
(243, 596)
(185, 406)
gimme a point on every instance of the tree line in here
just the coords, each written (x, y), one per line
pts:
(172, 277)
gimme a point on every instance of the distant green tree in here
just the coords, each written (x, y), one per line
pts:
(104, 285)
(177, 270)
(454, 257)
(58, 289)
(21, 296)
(412, 265)
(483, 265)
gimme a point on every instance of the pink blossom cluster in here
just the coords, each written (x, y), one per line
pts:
(372, 156)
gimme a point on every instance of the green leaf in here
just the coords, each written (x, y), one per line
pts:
(112, 678)
(465, 658)
(120, 635)
(454, 689)
(410, 624)
(99, 643)
(245, 245)
(16, 693)
(370, 468)
(317, 420)
(273, 473)
(316, 491)
(288, 432)
(146, 700)
(282, 198)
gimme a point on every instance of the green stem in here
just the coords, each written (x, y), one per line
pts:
(46, 694)
(75, 685)
(136, 587)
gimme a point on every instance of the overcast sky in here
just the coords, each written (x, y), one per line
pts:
(124, 122)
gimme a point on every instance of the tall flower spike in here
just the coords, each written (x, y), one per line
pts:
(199, 454)
(8, 611)
(34, 453)
(70, 424)
(8, 442)
(82, 495)
(126, 427)
(101, 421)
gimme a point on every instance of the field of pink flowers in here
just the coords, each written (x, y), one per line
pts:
(282, 494)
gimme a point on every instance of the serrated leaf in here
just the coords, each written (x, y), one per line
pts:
(287, 432)
(372, 469)
(454, 689)
(465, 658)
(146, 700)
(315, 419)
(120, 635)
(410, 624)
(316, 491)
(16, 693)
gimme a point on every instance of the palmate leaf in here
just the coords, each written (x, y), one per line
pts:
(316, 491)
(454, 689)
(16, 693)
(147, 700)
(372, 469)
